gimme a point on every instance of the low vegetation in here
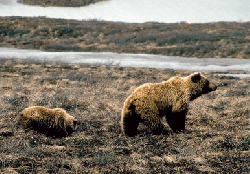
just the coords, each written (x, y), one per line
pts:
(216, 139)
(59, 3)
(210, 40)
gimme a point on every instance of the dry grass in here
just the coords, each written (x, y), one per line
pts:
(217, 40)
(216, 140)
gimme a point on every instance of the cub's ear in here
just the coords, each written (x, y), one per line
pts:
(195, 77)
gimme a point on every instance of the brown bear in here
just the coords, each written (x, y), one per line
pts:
(52, 122)
(151, 101)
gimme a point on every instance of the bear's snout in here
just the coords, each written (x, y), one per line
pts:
(212, 86)
(209, 88)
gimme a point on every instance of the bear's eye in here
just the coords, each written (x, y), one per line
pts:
(207, 83)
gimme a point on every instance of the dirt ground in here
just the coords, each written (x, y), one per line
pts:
(216, 139)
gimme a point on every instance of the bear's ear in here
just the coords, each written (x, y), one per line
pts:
(195, 77)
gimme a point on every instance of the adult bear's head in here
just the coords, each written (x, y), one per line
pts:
(198, 85)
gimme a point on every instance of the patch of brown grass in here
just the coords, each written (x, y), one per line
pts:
(217, 40)
(216, 140)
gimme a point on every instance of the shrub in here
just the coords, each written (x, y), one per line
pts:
(112, 32)
(142, 38)
(244, 144)
(12, 32)
(228, 143)
(103, 158)
(231, 144)
(62, 48)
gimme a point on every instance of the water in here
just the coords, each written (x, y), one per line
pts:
(236, 75)
(140, 11)
(133, 60)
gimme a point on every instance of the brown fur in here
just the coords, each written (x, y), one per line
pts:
(54, 122)
(149, 102)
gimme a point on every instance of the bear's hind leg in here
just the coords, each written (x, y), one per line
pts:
(129, 121)
(129, 126)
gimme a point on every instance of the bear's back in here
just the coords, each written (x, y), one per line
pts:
(158, 90)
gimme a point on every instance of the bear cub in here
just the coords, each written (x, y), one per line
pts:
(151, 101)
(52, 122)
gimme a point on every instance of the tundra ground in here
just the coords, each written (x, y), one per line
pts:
(216, 139)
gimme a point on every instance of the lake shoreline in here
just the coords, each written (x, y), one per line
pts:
(224, 67)
(59, 3)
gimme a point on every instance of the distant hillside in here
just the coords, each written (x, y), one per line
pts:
(214, 40)
(59, 3)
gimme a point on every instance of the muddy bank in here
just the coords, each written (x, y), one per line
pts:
(60, 3)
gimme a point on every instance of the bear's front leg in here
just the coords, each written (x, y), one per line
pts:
(177, 119)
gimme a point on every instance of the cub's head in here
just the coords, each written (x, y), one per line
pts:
(66, 122)
(199, 85)
(71, 124)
